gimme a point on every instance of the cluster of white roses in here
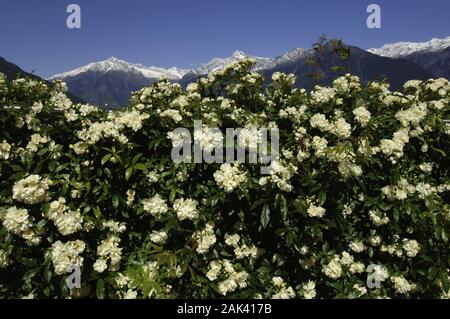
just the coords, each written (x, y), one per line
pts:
(403, 189)
(208, 138)
(108, 250)
(158, 237)
(316, 211)
(281, 172)
(340, 263)
(362, 115)
(232, 279)
(339, 127)
(377, 218)
(4, 258)
(5, 150)
(332, 127)
(283, 291)
(322, 95)
(185, 209)
(124, 290)
(410, 246)
(204, 239)
(114, 227)
(17, 221)
(113, 127)
(229, 177)
(67, 221)
(67, 255)
(295, 114)
(241, 251)
(31, 190)
(309, 290)
(401, 285)
(347, 84)
(96, 131)
(37, 141)
(156, 206)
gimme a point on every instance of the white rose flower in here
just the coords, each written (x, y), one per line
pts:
(158, 237)
(229, 177)
(333, 269)
(155, 206)
(185, 209)
(100, 265)
(316, 211)
(31, 190)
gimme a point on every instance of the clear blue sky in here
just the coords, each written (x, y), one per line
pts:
(186, 33)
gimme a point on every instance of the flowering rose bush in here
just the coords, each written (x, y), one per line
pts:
(359, 193)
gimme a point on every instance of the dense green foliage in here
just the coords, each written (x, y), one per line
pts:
(362, 180)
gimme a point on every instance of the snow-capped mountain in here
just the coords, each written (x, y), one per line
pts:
(404, 49)
(115, 64)
(293, 55)
(365, 65)
(217, 64)
(112, 81)
(433, 56)
(262, 63)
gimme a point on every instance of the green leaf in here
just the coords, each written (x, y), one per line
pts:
(135, 159)
(86, 209)
(439, 151)
(445, 282)
(107, 172)
(100, 289)
(396, 214)
(106, 158)
(444, 236)
(48, 274)
(432, 273)
(116, 201)
(128, 173)
(52, 166)
(258, 203)
(265, 216)
(322, 198)
(42, 151)
(140, 166)
(173, 194)
(62, 167)
(283, 207)
(97, 212)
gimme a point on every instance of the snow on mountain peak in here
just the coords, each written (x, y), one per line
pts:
(217, 64)
(113, 59)
(396, 50)
(403, 49)
(239, 55)
(294, 54)
(115, 64)
(174, 73)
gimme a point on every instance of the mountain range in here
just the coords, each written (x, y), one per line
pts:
(111, 82)
(12, 72)
(434, 55)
